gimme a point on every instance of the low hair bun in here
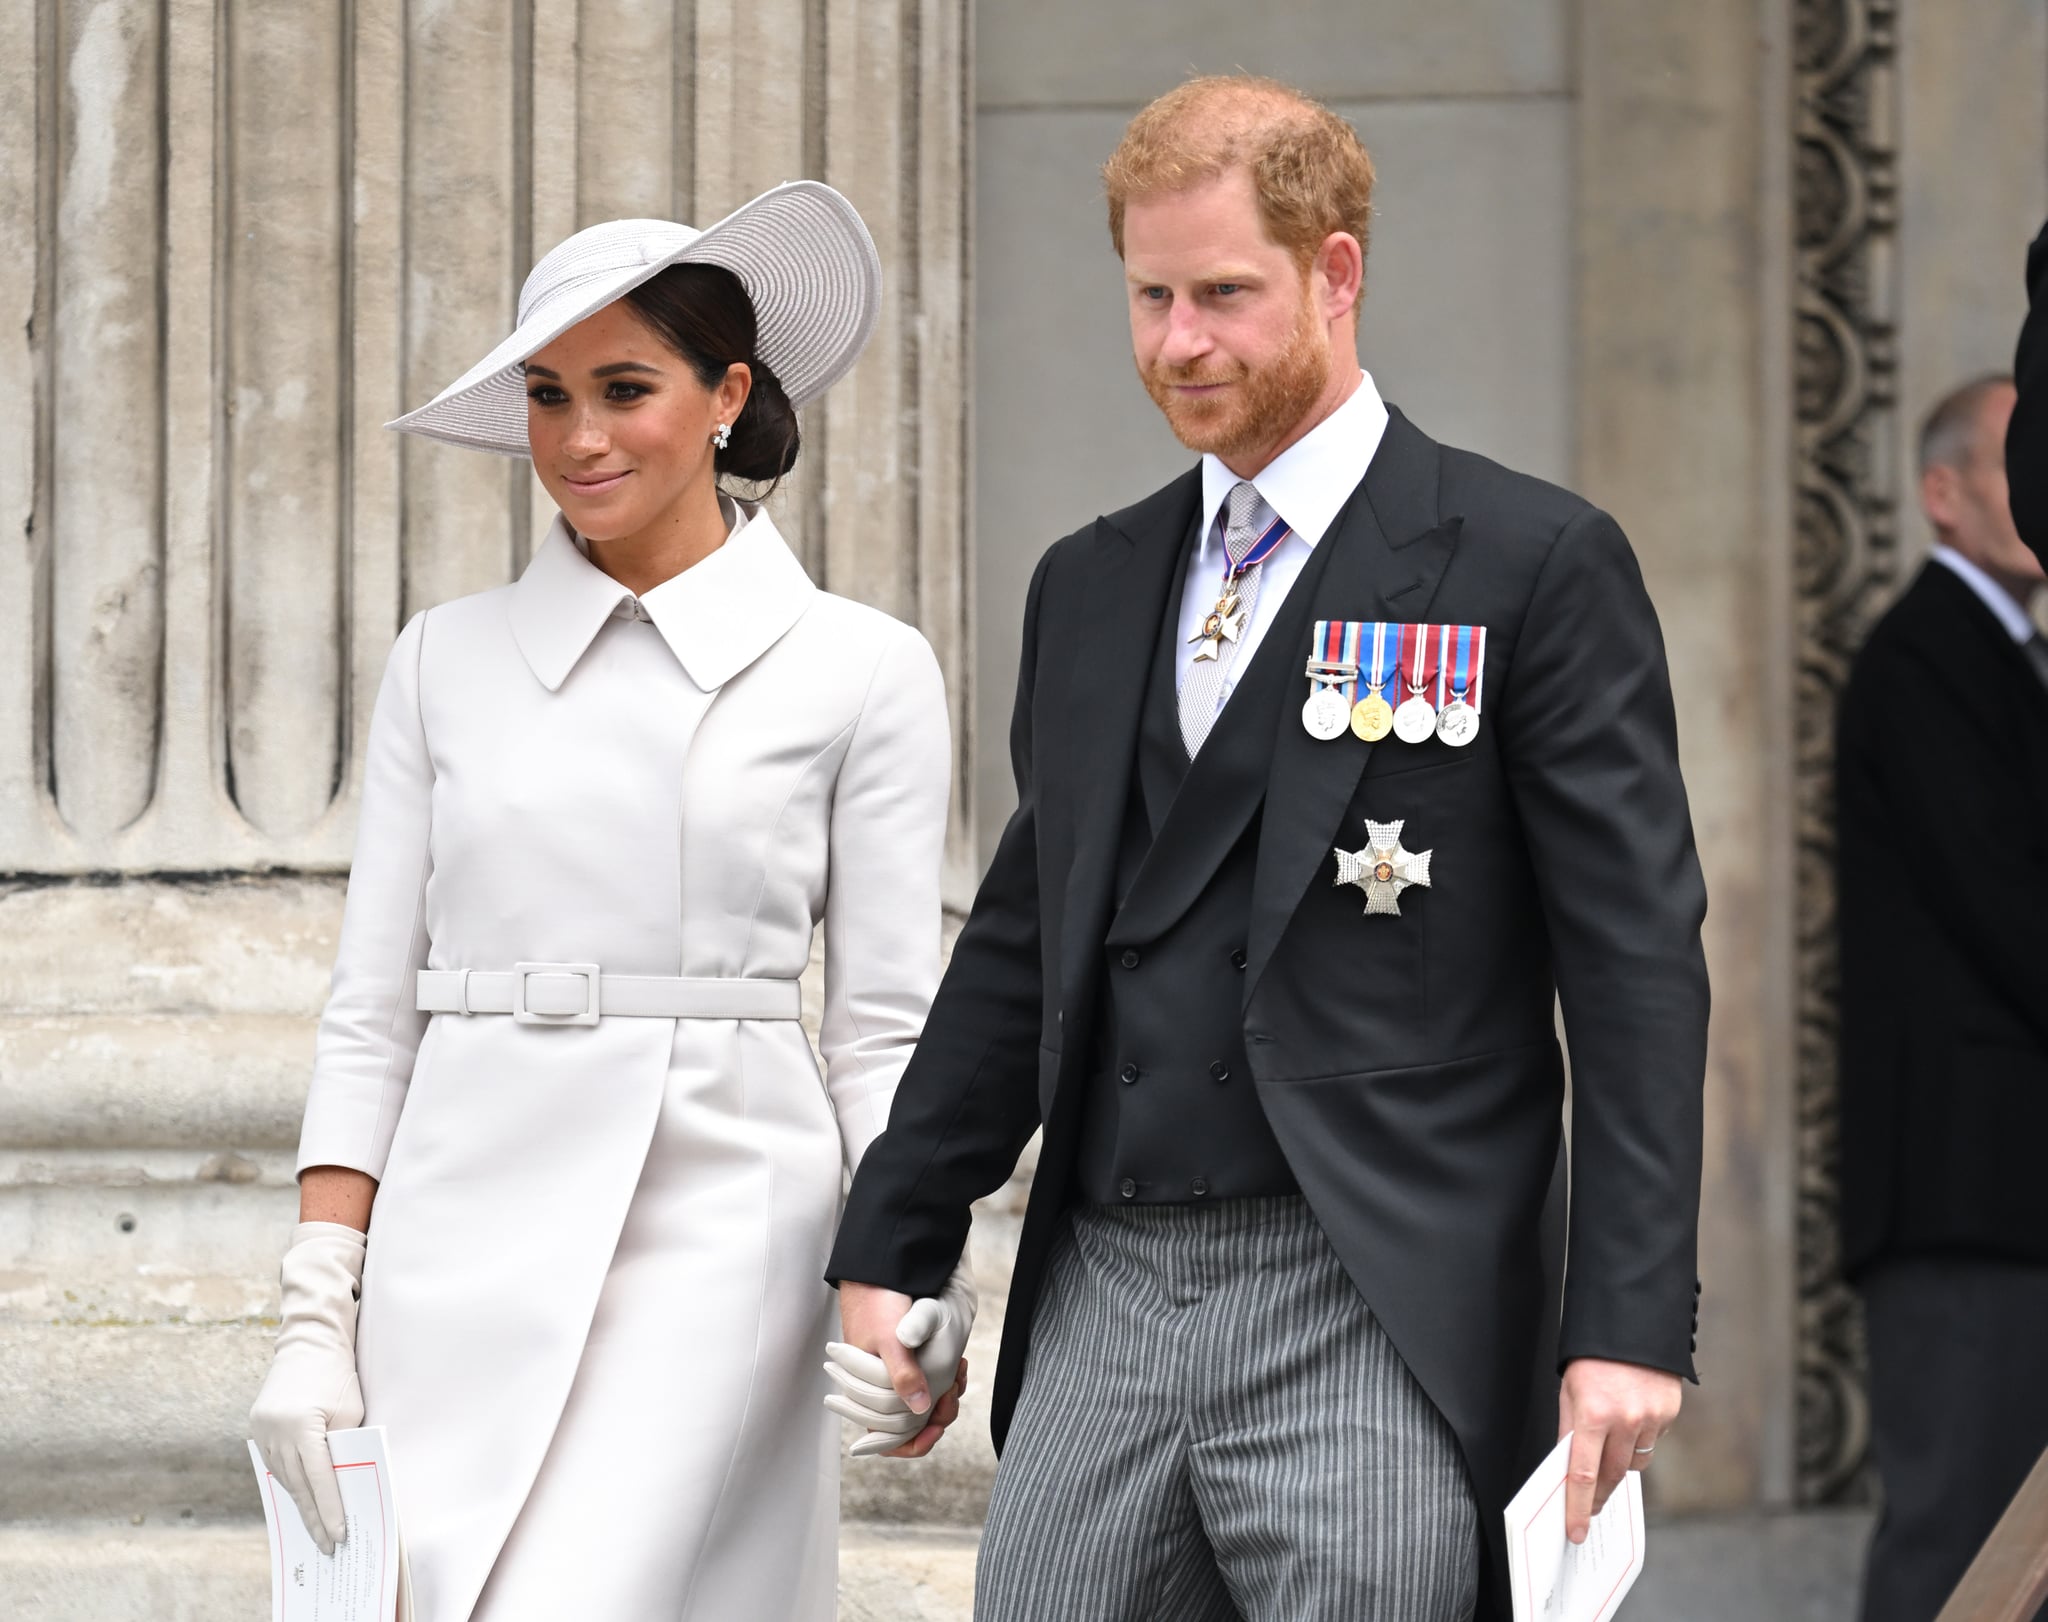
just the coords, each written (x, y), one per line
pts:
(703, 313)
(765, 440)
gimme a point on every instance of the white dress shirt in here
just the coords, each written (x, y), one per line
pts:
(1307, 485)
(2012, 614)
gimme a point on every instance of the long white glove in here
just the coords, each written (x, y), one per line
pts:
(311, 1388)
(936, 1329)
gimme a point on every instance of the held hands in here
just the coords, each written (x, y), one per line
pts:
(1615, 1412)
(311, 1388)
(897, 1352)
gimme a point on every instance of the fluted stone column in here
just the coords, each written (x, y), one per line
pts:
(234, 240)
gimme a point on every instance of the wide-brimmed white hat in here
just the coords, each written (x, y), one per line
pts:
(801, 252)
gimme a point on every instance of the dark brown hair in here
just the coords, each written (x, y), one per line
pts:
(703, 313)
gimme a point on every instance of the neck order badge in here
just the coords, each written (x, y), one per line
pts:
(1226, 620)
(1440, 668)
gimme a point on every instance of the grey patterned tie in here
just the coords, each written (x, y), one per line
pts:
(1244, 519)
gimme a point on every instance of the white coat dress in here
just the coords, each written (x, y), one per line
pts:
(593, 1309)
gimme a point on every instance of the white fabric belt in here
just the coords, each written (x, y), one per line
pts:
(578, 993)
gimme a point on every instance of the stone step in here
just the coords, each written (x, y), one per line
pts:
(155, 1043)
(110, 1418)
(107, 1082)
(257, 946)
(211, 1572)
(1789, 1568)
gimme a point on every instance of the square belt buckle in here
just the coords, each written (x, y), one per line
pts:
(553, 1000)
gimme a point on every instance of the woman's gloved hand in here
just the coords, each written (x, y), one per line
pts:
(311, 1387)
(936, 1330)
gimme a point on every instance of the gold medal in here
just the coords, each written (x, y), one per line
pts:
(1372, 718)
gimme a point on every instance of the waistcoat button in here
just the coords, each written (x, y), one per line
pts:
(1130, 960)
(1128, 1074)
(1238, 959)
(1220, 1070)
(1128, 1188)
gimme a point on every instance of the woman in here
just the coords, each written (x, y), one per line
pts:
(603, 811)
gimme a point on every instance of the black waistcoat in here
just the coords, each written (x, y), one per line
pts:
(1170, 1114)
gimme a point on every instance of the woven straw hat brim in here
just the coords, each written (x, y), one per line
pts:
(801, 251)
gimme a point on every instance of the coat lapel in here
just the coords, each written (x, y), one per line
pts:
(1139, 551)
(1389, 551)
(1221, 791)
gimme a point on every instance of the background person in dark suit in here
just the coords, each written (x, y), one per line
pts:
(1284, 1336)
(1943, 817)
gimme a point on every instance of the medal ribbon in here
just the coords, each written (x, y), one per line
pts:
(1260, 550)
(1337, 642)
(1413, 657)
(1461, 681)
(1380, 672)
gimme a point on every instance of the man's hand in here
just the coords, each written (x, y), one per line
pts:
(1615, 1412)
(868, 1316)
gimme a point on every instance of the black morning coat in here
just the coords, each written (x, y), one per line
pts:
(1409, 1066)
(2026, 437)
(1942, 827)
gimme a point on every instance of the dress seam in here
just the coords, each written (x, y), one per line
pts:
(414, 957)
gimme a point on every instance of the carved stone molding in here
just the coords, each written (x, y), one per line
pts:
(235, 239)
(1846, 559)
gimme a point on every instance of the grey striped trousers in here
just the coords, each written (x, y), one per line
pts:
(1213, 1427)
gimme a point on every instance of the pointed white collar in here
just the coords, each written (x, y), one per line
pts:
(1308, 483)
(717, 616)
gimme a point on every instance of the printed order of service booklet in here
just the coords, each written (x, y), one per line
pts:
(1554, 1580)
(364, 1579)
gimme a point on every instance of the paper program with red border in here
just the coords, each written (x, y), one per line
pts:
(359, 1582)
(1553, 1580)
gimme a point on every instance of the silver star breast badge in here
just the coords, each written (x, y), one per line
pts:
(1383, 869)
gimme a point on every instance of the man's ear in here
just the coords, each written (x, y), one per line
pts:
(1339, 272)
(1938, 496)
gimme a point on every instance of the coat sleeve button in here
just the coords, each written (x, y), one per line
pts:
(1199, 1187)
(1128, 1188)
(1130, 959)
(1128, 1074)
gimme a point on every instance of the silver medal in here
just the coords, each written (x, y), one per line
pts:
(1327, 714)
(1415, 720)
(1457, 725)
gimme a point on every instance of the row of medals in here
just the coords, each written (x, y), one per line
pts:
(1327, 714)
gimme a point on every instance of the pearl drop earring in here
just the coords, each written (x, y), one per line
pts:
(723, 437)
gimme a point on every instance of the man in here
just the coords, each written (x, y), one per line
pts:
(2026, 440)
(1942, 780)
(1282, 1339)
